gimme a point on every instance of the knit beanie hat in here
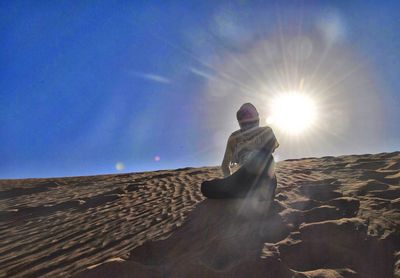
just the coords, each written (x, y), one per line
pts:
(247, 114)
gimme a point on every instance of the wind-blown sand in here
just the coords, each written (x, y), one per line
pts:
(332, 217)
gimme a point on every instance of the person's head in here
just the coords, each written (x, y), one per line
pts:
(247, 116)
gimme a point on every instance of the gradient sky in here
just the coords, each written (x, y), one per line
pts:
(90, 87)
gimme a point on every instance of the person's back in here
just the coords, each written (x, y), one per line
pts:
(244, 144)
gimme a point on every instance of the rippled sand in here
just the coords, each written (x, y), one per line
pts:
(332, 217)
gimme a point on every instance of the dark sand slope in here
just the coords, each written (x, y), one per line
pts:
(333, 217)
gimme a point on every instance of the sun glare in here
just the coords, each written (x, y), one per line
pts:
(292, 112)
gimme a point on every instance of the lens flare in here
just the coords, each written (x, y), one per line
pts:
(119, 166)
(293, 112)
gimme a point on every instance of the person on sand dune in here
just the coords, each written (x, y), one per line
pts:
(250, 138)
(251, 149)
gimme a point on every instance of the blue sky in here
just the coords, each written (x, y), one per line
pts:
(155, 85)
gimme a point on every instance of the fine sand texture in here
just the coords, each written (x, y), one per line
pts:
(332, 217)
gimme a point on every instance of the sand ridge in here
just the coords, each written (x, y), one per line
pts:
(332, 217)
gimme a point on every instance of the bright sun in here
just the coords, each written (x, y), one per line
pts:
(292, 112)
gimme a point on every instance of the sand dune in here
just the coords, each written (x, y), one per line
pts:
(332, 217)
